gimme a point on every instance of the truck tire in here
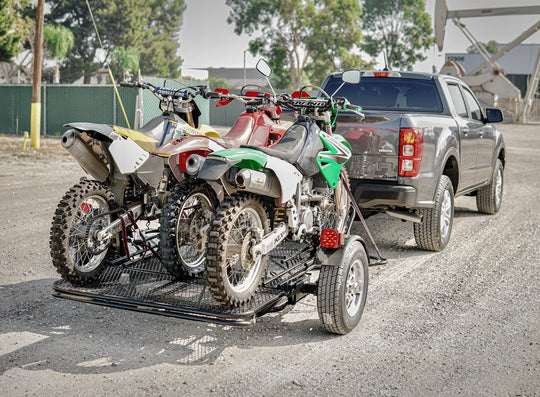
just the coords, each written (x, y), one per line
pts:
(433, 232)
(342, 290)
(489, 198)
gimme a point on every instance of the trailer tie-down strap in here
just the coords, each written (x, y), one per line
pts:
(381, 260)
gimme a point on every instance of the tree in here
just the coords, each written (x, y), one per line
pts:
(316, 36)
(491, 46)
(401, 27)
(59, 41)
(150, 27)
(125, 61)
(10, 37)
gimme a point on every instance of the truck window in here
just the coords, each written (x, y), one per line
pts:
(474, 107)
(399, 94)
(457, 99)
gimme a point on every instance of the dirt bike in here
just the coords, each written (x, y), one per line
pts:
(293, 192)
(188, 211)
(94, 221)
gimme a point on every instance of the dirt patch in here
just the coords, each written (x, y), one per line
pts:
(465, 321)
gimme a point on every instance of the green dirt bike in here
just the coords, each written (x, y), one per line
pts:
(296, 191)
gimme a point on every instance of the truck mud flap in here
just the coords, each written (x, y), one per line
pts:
(145, 286)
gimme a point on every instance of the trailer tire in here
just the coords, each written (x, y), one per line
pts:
(342, 290)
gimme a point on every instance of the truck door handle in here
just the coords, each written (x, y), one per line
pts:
(465, 131)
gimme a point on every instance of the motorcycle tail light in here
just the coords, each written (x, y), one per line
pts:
(332, 238)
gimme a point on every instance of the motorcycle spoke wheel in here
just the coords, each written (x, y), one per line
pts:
(184, 226)
(234, 274)
(80, 215)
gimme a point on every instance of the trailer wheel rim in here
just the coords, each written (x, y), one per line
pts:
(355, 288)
(446, 214)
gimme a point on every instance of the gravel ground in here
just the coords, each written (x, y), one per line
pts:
(465, 321)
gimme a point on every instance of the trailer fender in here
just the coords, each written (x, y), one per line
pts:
(335, 257)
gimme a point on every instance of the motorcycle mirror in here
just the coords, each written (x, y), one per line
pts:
(264, 68)
(351, 76)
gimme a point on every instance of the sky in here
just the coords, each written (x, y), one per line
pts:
(207, 40)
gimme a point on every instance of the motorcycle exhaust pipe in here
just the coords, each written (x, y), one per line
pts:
(258, 182)
(83, 153)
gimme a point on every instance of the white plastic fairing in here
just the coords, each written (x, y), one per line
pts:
(289, 177)
(127, 155)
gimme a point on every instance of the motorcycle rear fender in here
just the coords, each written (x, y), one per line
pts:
(101, 129)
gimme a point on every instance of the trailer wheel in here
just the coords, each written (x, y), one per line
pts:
(342, 290)
(489, 198)
(433, 233)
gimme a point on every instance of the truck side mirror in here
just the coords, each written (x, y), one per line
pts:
(494, 115)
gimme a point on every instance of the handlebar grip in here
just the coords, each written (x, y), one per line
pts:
(213, 95)
(128, 84)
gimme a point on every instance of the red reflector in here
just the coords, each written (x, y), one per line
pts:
(331, 238)
(86, 208)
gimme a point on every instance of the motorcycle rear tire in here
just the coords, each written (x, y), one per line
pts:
(69, 235)
(188, 209)
(233, 276)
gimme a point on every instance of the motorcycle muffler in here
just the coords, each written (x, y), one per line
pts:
(83, 153)
(258, 182)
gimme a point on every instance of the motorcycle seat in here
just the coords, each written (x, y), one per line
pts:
(289, 147)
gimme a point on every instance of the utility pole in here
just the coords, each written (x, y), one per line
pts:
(35, 115)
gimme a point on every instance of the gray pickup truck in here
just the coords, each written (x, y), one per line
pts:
(423, 141)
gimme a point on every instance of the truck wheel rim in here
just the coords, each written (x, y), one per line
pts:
(446, 215)
(355, 288)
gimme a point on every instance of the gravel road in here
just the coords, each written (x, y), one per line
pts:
(465, 321)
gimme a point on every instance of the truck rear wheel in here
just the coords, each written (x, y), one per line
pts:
(489, 198)
(342, 290)
(433, 233)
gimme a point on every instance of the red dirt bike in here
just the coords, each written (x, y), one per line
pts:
(189, 208)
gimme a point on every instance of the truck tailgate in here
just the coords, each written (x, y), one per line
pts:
(375, 144)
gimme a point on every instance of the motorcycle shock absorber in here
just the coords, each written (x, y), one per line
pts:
(280, 215)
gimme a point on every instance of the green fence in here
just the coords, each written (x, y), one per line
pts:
(61, 104)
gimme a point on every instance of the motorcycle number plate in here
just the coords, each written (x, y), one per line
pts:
(127, 155)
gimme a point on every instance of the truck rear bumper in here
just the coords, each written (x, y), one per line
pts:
(373, 195)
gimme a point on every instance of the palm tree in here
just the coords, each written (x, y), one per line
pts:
(59, 41)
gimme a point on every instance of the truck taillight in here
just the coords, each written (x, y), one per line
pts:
(411, 151)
